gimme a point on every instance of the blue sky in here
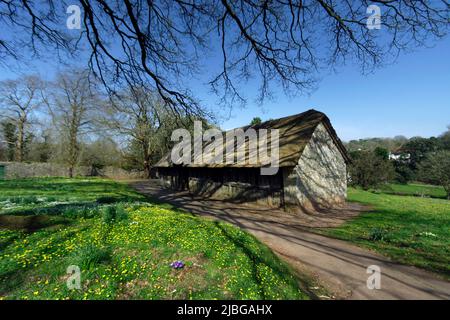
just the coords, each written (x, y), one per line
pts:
(410, 98)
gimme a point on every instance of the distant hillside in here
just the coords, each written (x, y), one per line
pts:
(391, 144)
(401, 142)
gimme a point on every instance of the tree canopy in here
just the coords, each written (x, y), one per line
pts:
(161, 44)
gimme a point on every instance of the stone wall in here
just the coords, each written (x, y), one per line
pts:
(320, 177)
(121, 174)
(17, 170)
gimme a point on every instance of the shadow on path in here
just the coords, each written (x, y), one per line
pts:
(339, 266)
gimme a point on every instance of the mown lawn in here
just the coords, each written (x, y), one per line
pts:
(124, 248)
(411, 230)
(414, 189)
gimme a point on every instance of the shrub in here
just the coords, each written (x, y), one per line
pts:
(71, 212)
(403, 173)
(109, 214)
(121, 213)
(91, 212)
(377, 234)
(24, 200)
(51, 199)
(435, 169)
(80, 212)
(29, 200)
(87, 212)
(15, 200)
(370, 169)
(114, 213)
(90, 255)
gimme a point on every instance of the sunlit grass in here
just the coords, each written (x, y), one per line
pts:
(414, 189)
(125, 249)
(411, 230)
(48, 195)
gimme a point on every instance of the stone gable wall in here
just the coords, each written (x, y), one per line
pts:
(320, 177)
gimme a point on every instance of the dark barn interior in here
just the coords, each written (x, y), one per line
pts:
(249, 182)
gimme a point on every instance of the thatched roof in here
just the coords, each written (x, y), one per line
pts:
(295, 132)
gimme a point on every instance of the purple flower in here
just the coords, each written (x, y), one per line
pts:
(177, 264)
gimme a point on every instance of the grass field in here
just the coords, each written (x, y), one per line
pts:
(409, 229)
(123, 246)
(53, 195)
(414, 189)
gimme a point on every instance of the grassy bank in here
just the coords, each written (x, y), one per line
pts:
(409, 229)
(56, 195)
(124, 248)
(414, 189)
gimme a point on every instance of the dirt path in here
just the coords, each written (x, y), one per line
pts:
(338, 265)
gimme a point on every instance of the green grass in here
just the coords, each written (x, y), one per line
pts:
(124, 250)
(410, 230)
(414, 189)
(52, 195)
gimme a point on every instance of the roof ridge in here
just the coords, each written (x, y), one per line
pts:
(283, 118)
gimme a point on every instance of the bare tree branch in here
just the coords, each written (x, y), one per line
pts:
(163, 44)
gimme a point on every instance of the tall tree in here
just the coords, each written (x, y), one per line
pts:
(110, 154)
(72, 103)
(445, 139)
(255, 121)
(19, 99)
(9, 133)
(418, 148)
(435, 169)
(138, 115)
(42, 147)
(370, 169)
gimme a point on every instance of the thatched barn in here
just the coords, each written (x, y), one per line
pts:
(312, 169)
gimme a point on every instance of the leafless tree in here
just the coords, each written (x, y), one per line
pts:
(161, 44)
(138, 116)
(19, 99)
(72, 103)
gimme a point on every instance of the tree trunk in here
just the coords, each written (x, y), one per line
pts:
(146, 153)
(73, 141)
(147, 169)
(20, 140)
(147, 166)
